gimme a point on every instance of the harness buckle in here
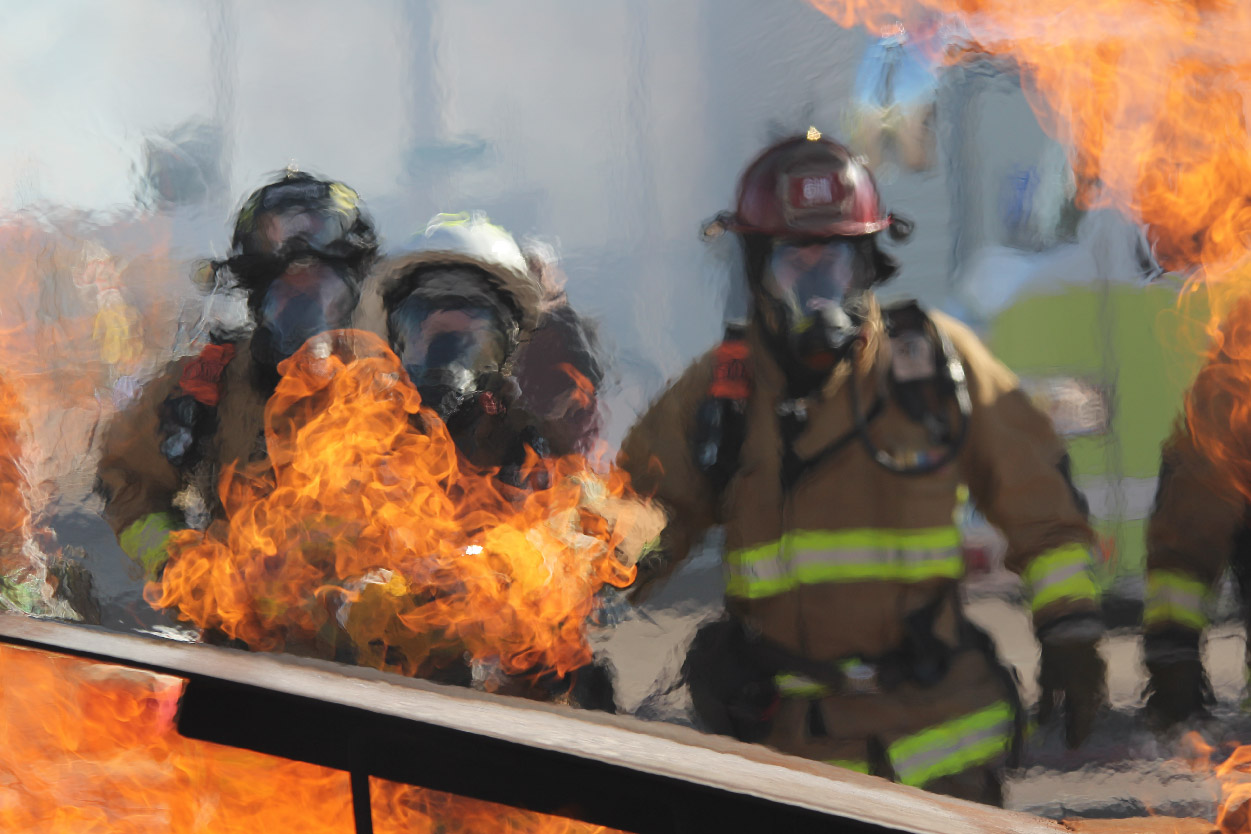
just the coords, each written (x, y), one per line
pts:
(860, 678)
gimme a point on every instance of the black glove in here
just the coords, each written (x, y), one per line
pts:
(1178, 688)
(731, 694)
(1072, 677)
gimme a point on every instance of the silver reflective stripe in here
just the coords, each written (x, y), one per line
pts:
(775, 568)
(928, 758)
(1171, 595)
(1057, 575)
(909, 557)
(763, 570)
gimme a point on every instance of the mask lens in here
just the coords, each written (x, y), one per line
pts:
(434, 341)
(810, 277)
(304, 302)
(309, 231)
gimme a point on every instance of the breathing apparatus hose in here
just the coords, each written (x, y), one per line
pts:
(953, 369)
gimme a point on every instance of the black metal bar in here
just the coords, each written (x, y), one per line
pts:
(362, 813)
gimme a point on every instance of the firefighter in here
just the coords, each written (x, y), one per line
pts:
(300, 250)
(459, 309)
(466, 311)
(1198, 527)
(829, 437)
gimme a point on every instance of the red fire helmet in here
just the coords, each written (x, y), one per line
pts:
(808, 186)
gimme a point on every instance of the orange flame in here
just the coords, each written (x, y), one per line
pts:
(14, 510)
(1149, 97)
(364, 528)
(1234, 774)
(583, 393)
(90, 747)
(1218, 406)
(1146, 95)
(412, 810)
(67, 338)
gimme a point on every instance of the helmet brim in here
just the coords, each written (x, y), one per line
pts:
(840, 228)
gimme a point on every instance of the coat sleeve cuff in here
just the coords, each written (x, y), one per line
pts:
(1061, 581)
(1175, 598)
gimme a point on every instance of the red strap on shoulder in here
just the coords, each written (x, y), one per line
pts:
(731, 377)
(201, 378)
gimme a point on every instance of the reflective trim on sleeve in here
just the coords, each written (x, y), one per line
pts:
(953, 746)
(810, 557)
(1060, 573)
(798, 686)
(145, 540)
(1175, 598)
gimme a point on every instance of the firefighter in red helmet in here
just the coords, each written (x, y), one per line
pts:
(829, 436)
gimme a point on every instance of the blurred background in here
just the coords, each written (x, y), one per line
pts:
(610, 131)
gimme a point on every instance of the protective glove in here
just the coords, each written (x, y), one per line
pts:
(1072, 677)
(146, 542)
(1177, 687)
(611, 609)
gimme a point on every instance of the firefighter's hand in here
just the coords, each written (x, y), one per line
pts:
(1073, 683)
(612, 608)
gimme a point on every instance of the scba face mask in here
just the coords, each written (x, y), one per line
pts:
(448, 351)
(309, 299)
(817, 289)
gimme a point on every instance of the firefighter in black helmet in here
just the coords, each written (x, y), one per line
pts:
(300, 250)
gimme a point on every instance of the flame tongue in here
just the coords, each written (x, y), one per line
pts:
(92, 747)
(365, 531)
(1147, 96)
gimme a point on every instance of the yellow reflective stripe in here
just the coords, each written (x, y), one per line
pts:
(870, 538)
(868, 554)
(1174, 597)
(759, 553)
(1061, 573)
(944, 567)
(798, 686)
(850, 764)
(867, 538)
(953, 746)
(145, 540)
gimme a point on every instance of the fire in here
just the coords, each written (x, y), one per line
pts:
(1149, 99)
(91, 747)
(1234, 774)
(411, 810)
(69, 344)
(365, 531)
(14, 510)
(1218, 409)
(1146, 95)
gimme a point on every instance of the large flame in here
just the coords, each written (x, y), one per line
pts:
(1148, 96)
(89, 747)
(364, 527)
(71, 349)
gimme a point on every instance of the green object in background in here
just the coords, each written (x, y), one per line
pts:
(1140, 348)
